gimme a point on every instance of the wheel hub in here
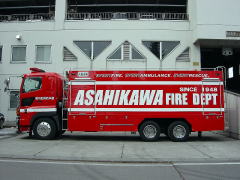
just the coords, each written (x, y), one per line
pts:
(150, 131)
(179, 131)
(43, 129)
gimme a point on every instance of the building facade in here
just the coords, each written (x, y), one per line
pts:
(119, 35)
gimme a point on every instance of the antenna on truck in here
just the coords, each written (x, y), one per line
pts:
(36, 70)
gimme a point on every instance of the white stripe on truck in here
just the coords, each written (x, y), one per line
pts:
(146, 109)
(39, 110)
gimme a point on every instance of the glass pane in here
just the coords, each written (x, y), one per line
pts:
(154, 47)
(167, 47)
(99, 46)
(117, 54)
(85, 46)
(230, 72)
(14, 99)
(18, 53)
(43, 53)
(32, 84)
(136, 54)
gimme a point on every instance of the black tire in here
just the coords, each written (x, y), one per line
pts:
(178, 131)
(1, 124)
(149, 131)
(44, 128)
(59, 133)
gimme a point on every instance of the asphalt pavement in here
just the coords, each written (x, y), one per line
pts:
(120, 147)
(71, 170)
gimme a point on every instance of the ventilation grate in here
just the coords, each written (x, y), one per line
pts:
(68, 55)
(184, 56)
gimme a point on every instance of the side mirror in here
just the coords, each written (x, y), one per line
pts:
(6, 82)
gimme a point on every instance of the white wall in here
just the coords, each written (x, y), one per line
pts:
(215, 17)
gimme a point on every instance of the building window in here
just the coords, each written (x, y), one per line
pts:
(0, 54)
(14, 99)
(230, 72)
(92, 48)
(68, 55)
(126, 51)
(184, 56)
(18, 54)
(43, 53)
(161, 48)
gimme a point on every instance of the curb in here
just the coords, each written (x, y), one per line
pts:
(133, 161)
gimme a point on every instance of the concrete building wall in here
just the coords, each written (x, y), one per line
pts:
(215, 17)
(206, 20)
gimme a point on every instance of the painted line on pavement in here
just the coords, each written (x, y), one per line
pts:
(123, 164)
(89, 163)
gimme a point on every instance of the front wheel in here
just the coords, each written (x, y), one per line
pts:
(178, 131)
(149, 131)
(44, 128)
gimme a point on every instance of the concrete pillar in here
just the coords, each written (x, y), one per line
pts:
(60, 14)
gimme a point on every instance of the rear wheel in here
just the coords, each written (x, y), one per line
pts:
(178, 131)
(149, 131)
(44, 128)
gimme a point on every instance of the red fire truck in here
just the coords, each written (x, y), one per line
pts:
(175, 103)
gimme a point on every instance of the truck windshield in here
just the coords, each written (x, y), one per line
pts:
(32, 84)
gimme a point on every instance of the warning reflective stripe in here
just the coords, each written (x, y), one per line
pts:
(39, 110)
(145, 83)
(146, 109)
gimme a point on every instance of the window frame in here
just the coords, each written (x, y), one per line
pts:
(184, 60)
(70, 52)
(161, 58)
(18, 62)
(22, 89)
(121, 47)
(9, 102)
(36, 51)
(92, 47)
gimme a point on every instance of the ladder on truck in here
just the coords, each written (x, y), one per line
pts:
(64, 105)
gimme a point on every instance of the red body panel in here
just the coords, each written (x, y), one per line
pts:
(120, 101)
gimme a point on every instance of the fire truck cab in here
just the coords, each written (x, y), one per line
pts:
(174, 103)
(40, 101)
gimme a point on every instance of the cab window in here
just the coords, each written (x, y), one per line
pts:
(32, 84)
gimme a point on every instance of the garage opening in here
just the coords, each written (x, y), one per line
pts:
(227, 57)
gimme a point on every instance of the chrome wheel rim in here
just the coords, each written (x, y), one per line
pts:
(43, 129)
(179, 131)
(150, 131)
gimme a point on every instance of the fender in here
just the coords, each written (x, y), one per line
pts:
(53, 115)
